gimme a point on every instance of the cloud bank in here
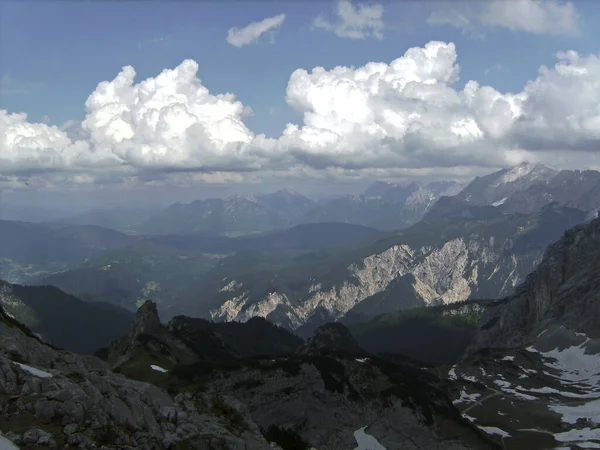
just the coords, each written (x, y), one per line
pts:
(531, 16)
(409, 116)
(354, 22)
(238, 37)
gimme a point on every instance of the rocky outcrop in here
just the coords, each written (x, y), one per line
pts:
(147, 320)
(563, 290)
(54, 398)
(316, 397)
(148, 336)
(332, 337)
(320, 400)
(198, 336)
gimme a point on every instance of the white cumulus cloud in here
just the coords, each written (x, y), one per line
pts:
(532, 16)
(403, 114)
(238, 37)
(411, 113)
(409, 117)
(169, 122)
(354, 22)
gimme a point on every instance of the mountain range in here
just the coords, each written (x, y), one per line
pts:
(524, 189)
(528, 187)
(430, 263)
(159, 267)
(384, 206)
(307, 275)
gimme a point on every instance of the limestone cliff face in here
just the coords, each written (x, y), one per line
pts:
(563, 290)
(453, 271)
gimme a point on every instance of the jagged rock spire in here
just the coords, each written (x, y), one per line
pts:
(146, 319)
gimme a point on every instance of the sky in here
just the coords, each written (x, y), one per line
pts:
(145, 100)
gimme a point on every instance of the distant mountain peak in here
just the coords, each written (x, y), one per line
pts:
(521, 170)
(288, 192)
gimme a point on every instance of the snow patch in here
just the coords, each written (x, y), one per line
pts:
(464, 397)
(470, 378)
(366, 441)
(570, 414)
(585, 434)
(33, 371)
(362, 360)
(452, 374)
(518, 394)
(494, 430)
(158, 368)
(575, 365)
(502, 383)
(500, 202)
(6, 444)
(515, 173)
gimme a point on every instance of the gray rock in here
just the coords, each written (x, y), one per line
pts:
(13, 437)
(99, 405)
(37, 436)
(70, 428)
(563, 291)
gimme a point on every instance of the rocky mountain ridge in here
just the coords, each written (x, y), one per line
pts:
(314, 397)
(528, 187)
(384, 206)
(530, 375)
(563, 290)
(428, 264)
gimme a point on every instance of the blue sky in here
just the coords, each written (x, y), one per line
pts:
(60, 51)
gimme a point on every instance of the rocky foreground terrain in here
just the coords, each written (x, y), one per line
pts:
(531, 376)
(52, 398)
(328, 394)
